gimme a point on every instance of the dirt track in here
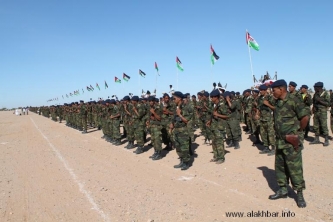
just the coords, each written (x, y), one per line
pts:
(49, 172)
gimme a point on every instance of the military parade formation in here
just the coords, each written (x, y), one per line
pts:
(276, 116)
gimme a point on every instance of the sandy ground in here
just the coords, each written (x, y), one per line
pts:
(49, 172)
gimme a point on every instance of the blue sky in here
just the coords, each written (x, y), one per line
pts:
(51, 48)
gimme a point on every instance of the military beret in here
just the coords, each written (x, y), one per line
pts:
(255, 91)
(304, 86)
(263, 87)
(140, 99)
(135, 98)
(126, 98)
(151, 98)
(232, 92)
(291, 83)
(187, 94)
(81, 101)
(166, 94)
(193, 96)
(107, 101)
(199, 93)
(278, 83)
(76, 103)
(206, 94)
(65, 104)
(144, 99)
(112, 101)
(157, 100)
(225, 94)
(178, 94)
(103, 102)
(319, 84)
(215, 92)
(247, 90)
(237, 93)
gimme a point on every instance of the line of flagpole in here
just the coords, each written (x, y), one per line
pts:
(177, 78)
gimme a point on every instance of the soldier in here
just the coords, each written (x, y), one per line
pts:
(290, 116)
(60, 113)
(115, 123)
(307, 99)
(129, 122)
(331, 104)
(189, 108)
(83, 116)
(232, 123)
(167, 116)
(155, 127)
(255, 117)
(195, 116)
(267, 133)
(248, 101)
(218, 125)
(292, 88)
(205, 116)
(180, 131)
(321, 102)
(104, 117)
(137, 113)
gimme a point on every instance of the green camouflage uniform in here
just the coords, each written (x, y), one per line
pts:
(232, 123)
(115, 122)
(307, 99)
(155, 127)
(83, 116)
(267, 132)
(331, 104)
(248, 112)
(320, 112)
(138, 124)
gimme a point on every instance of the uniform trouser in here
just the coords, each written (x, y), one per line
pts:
(60, 117)
(320, 123)
(189, 126)
(255, 125)
(182, 141)
(84, 122)
(332, 122)
(138, 135)
(288, 165)
(90, 118)
(218, 144)
(116, 129)
(109, 127)
(267, 132)
(104, 126)
(206, 130)
(130, 132)
(165, 135)
(248, 122)
(242, 116)
(233, 129)
(95, 120)
(155, 134)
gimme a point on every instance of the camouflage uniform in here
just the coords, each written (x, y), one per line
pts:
(138, 126)
(83, 116)
(307, 99)
(232, 123)
(248, 112)
(331, 104)
(320, 113)
(267, 132)
(155, 128)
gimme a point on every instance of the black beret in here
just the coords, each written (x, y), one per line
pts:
(76, 103)
(232, 92)
(237, 93)
(166, 94)
(304, 86)
(193, 96)
(199, 93)
(103, 102)
(144, 99)
(151, 98)
(126, 98)
(135, 98)
(293, 84)
(206, 94)
(178, 94)
(255, 91)
(107, 101)
(187, 94)
(278, 83)
(225, 94)
(65, 104)
(215, 92)
(247, 90)
(81, 101)
(157, 100)
(319, 84)
(263, 87)
(112, 101)
(140, 99)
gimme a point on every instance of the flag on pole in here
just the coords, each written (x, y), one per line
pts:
(89, 88)
(156, 67)
(116, 80)
(97, 86)
(251, 42)
(179, 64)
(213, 56)
(142, 73)
(92, 88)
(126, 77)
(82, 91)
(106, 85)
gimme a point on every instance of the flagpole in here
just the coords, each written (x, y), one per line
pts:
(177, 79)
(211, 72)
(250, 59)
(139, 85)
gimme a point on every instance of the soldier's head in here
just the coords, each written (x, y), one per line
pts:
(151, 100)
(304, 89)
(263, 89)
(255, 92)
(194, 98)
(135, 100)
(81, 102)
(215, 96)
(199, 94)
(279, 88)
(178, 97)
(166, 98)
(318, 86)
(205, 95)
(292, 86)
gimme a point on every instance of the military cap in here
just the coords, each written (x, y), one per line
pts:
(255, 91)
(140, 99)
(304, 86)
(187, 94)
(291, 83)
(135, 98)
(199, 93)
(206, 94)
(278, 83)
(126, 98)
(233, 92)
(319, 84)
(151, 98)
(144, 99)
(178, 94)
(65, 104)
(263, 87)
(76, 103)
(81, 101)
(103, 102)
(247, 90)
(225, 94)
(237, 93)
(157, 100)
(193, 96)
(166, 94)
(215, 92)
(107, 100)
(112, 101)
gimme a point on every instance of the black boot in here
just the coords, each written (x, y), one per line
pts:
(236, 145)
(128, 144)
(326, 143)
(272, 151)
(138, 150)
(117, 142)
(154, 154)
(131, 145)
(185, 166)
(258, 141)
(179, 165)
(279, 194)
(230, 144)
(158, 156)
(265, 150)
(300, 200)
(315, 141)
(84, 132)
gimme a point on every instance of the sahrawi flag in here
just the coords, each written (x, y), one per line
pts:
(142, 73)
(126, 77)
(106, 85)
(179, 64)
(213, 56)
(156, 67)
(251, 42)
(97, 86)
(116, 80)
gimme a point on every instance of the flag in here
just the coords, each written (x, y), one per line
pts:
(179, 64)
(142, 73)
(251, 42)
(88, 88)
(66, 95)
(70, 94)
(92, 88)
(106, 85)
(116, 80)
(213, 56)
(82, 91)
(97, 86)
(156, 67)
(126, 77)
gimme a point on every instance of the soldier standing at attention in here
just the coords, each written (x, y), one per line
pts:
(83, 116)
(232, 123)
(166, 120)
(292, 89)
(115, 121)
(180, 131)
(137, 113)
(331, 104)
(321, 101)
(307, 99)
(290, 116)
(248, 100)
(218, 125)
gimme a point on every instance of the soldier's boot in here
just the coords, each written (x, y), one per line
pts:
(248, 132)
(279, 194)
(236, 145)
(128, 144)
(131, 145)
(84, 131)
(154, 154)
(326, 143)
(179, 165)
(300, 200)
(315, 141)
(99, 128)
(220, 161)
(138, 150)
(185, 166)
(117, 142)
(306, 134)
(257, 141)
(230, 144)
(158, 156)
(272, 151)
(103, 136)
(265, 150)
